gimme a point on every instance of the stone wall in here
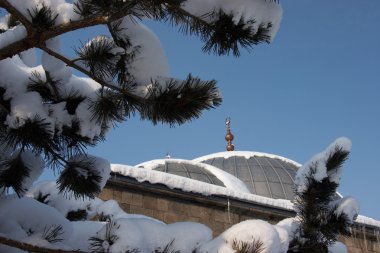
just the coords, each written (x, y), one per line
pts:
(217, 212)
(172, 209)
(363, 240)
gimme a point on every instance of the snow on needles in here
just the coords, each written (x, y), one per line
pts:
(26, 105)
(90, 168)
(13, 34)
(245, 232)
(348, 206)
(64, 203)
(61, 7)
(263, 12)
(150, 62)
(26, 219)
(148, 235)
(316, 167)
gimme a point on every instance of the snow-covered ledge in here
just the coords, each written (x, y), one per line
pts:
(194, 186)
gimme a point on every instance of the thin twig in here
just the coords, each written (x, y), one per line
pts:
(18, 16)
(89, 74)
(34, 38)
(38, 38)
(33, 248)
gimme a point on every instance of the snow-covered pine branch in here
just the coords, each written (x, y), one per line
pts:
(33, 248)
(55, 114)
(59, 222)
(49, 115)
(322, 215)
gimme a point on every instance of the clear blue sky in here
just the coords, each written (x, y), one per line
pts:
(318, 80)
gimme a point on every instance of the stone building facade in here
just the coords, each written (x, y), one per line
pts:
(217, 212)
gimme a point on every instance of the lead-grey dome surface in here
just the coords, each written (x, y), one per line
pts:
(264, 174)
(183, 168)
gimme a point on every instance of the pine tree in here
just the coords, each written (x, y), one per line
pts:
(322, 215)
(48, 116)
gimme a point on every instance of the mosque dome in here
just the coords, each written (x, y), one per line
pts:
(182, 168)
(257, 173)
(263, 174)
(196, 171)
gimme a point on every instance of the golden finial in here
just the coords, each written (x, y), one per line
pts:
(229, 136)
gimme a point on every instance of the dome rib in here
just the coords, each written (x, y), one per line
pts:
(279, 179)
(266, 177)
(264, 174)
(287, 172)
(196, 171)
(247, 154)
(250, 174)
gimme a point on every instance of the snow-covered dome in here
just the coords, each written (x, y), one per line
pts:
(263, 174)
(182, 168)
(196, 171)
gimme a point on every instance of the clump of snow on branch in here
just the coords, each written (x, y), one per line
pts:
(148, 235)
(150, 62)
(316, 167)
(287, 229)
(82, 231)
(61, 7)
(26, 219)
(27, 105)
(35, 164)
(261, 11)
(246, 232)
(12, 35)
(15, 74)
(349, 207)
(101, 166)
(48, 192)
(56, 68)
(29, 57)
(110, 209)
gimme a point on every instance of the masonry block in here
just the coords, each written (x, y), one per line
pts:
(222, 216)
(117, 195)
(137, 200)
(159, 215)
(176, 207)
(106, 194)
(126, 197)
(162, 204)
(126, 207)
(150, 202)
(141, 210)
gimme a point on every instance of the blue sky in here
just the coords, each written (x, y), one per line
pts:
(318, 80)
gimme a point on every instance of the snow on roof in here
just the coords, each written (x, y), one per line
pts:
(367, 221)
(246, 154)
(195, 186)
(230, 181)
(191, 185)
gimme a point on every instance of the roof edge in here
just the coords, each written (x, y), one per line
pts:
(247, 155)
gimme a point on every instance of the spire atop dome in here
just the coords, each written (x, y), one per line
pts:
(229, 136)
